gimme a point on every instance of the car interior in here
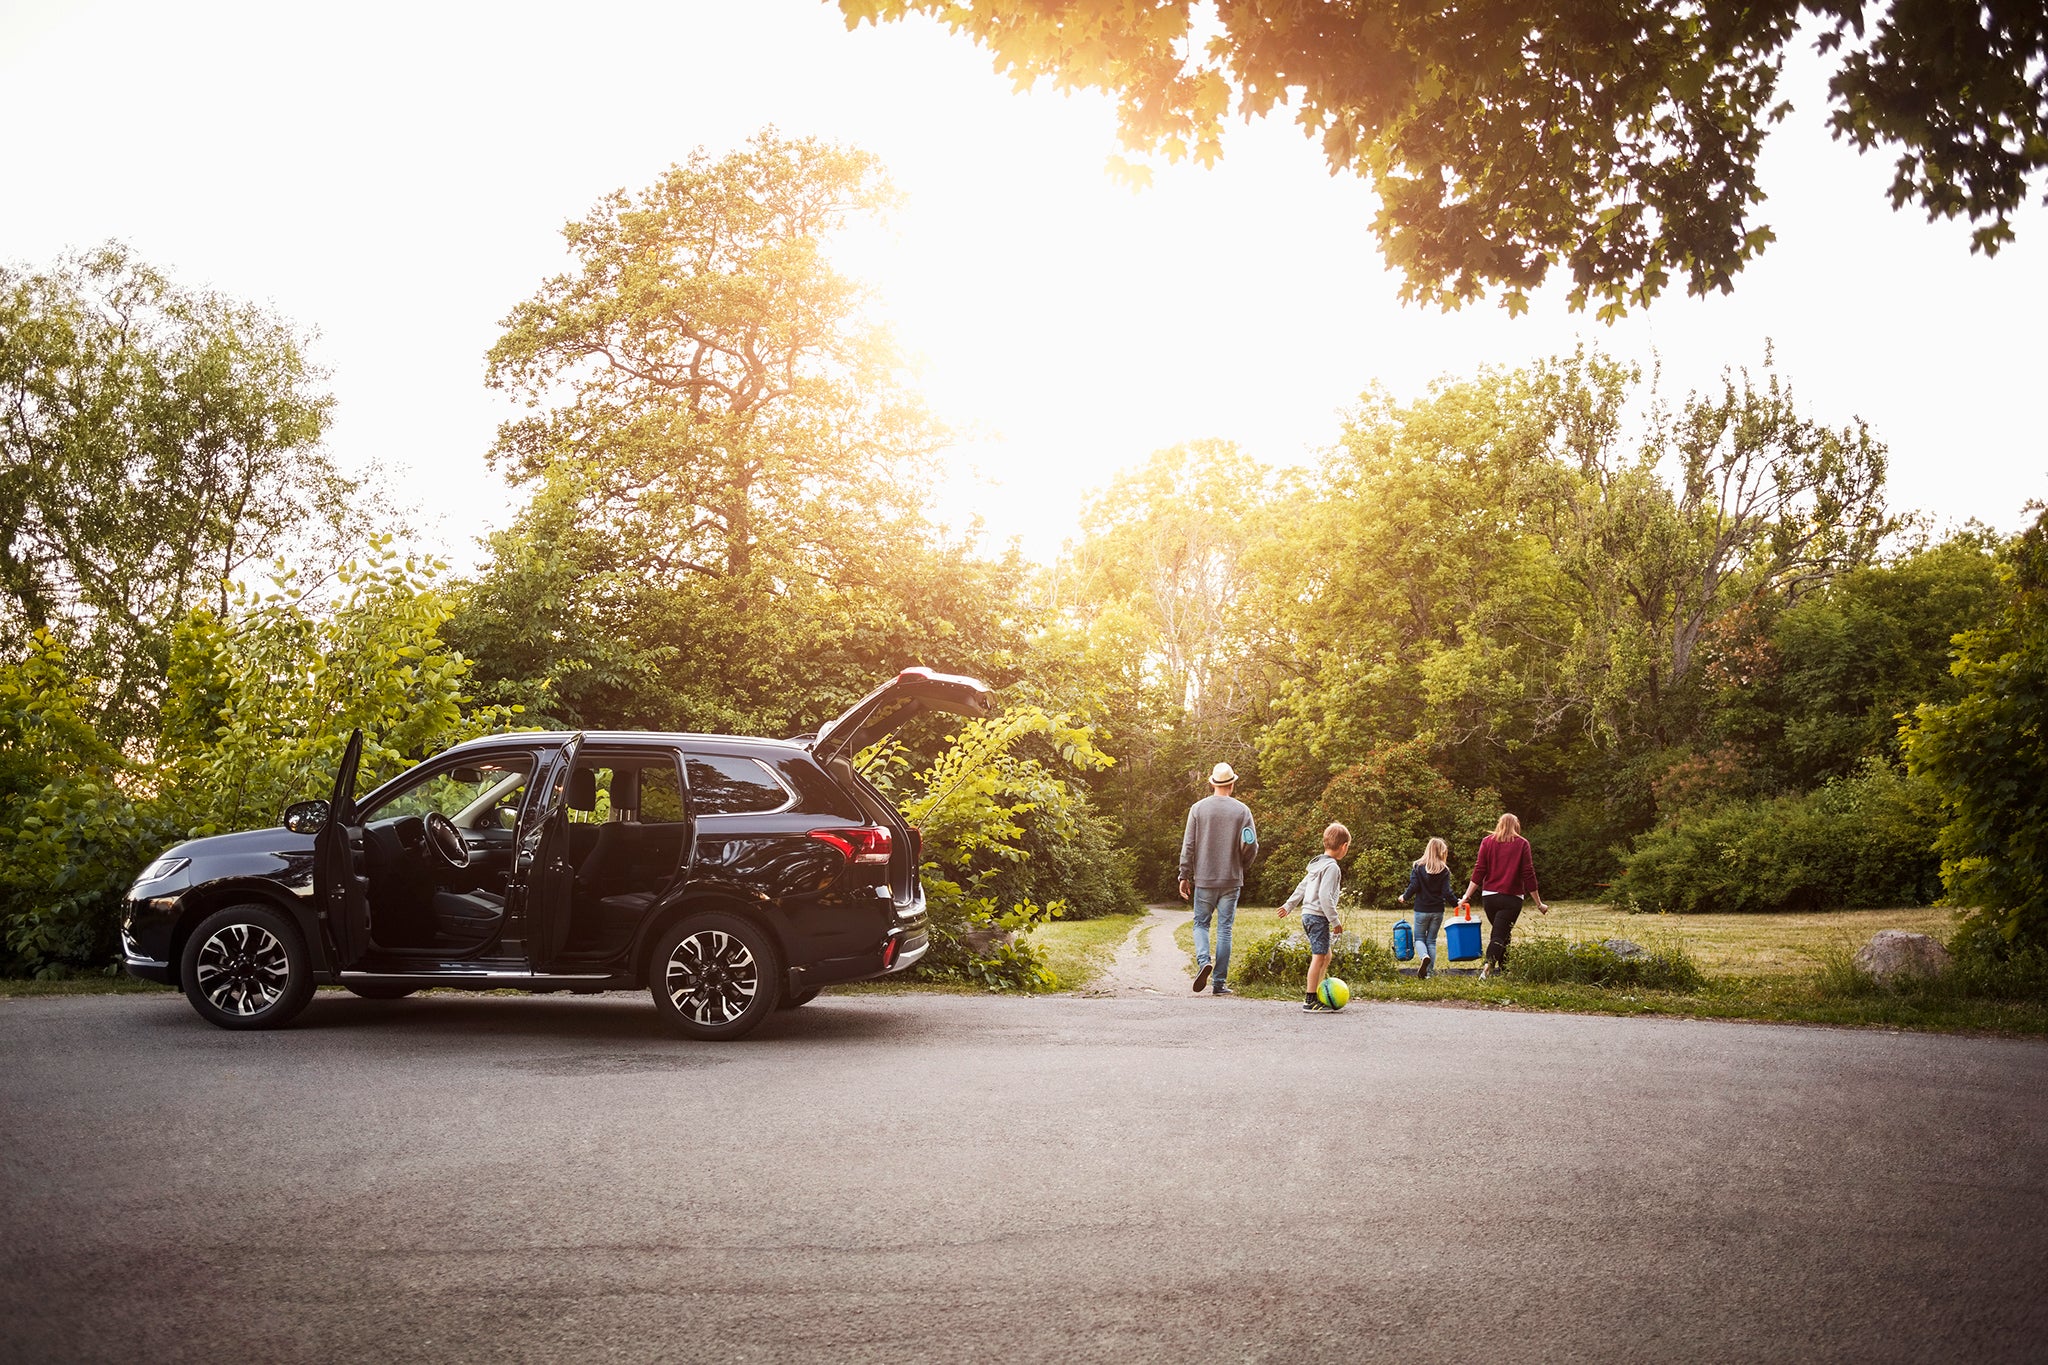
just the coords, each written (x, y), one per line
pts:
(626, 840)
(420, 900)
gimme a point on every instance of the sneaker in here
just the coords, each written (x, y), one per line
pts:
(1202, 978)
(1222, 989)
(1423, 973)
(1316, 1007)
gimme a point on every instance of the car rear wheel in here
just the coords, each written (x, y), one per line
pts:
(246, 967)
(378, 990)
(715, 976)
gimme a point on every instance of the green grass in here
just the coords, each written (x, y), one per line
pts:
(1781, 968)
(1078, 950)
(16, 987)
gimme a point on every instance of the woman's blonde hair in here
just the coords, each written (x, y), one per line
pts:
(1508, 828)
(1436, 856)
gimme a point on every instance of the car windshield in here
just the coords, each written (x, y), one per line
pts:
(480, 794)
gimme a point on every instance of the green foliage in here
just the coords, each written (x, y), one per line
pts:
(1618, 143)
(1546, 958)
(1282, 960)
(1986, 754)
(1393, 803)
(71, 829)
(154, 442)
(974, 805)
(262, 702)
(1856, 842)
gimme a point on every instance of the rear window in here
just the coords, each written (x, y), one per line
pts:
(725, 784)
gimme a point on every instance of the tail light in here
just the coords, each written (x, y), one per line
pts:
(867, 845)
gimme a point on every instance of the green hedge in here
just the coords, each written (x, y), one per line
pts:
(1546, 959)
(1273, 961)
(1861, 842)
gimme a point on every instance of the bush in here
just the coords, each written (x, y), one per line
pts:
(1547, 959)
(1393, 803)
(1282, 960)
(1860, 842)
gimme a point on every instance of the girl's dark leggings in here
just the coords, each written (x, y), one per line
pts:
(1501, 913)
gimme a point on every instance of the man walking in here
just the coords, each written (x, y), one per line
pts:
(1220, 843)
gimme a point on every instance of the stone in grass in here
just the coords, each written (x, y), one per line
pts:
(1895, 953)
(1624, 949)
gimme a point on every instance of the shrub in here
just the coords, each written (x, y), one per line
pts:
(1282, 960)
(1859, 842)
(1393, 803)
(1546, 959)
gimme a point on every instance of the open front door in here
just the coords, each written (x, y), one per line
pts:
(341, 893)
(910, 693)
(549, 876)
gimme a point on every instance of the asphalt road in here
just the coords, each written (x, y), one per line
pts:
(910, 1178)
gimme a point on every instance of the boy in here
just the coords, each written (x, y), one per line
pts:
(1317, 897)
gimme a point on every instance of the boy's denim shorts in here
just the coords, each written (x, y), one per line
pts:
(1318, 930)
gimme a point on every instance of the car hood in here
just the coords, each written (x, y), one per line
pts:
(276, 839)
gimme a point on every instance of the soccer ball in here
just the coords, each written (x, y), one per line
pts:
(1334, 993)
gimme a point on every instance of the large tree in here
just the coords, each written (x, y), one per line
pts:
(1507, 138)
(155, 441)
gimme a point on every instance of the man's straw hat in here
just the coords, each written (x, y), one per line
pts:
(1222, 775)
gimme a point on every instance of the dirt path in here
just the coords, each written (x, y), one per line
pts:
(1149, 962)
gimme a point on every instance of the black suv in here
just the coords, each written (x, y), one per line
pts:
(729, 876)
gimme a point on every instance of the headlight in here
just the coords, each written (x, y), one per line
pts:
(161, 868)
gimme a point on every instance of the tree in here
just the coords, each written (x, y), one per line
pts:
(1987, 752)
(1618, 141)
(705, 389)
(154, 442)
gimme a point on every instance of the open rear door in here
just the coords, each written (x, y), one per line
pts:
(550, 877)
(342, 894)
(910, 693)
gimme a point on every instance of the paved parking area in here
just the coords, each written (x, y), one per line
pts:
(923, 1177)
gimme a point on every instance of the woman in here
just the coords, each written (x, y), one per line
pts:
(1503, 873)
(1429, 887)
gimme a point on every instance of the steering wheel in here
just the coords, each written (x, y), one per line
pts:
(446, 841)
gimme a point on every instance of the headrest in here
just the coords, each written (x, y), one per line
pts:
(625, 790)
(583, 789)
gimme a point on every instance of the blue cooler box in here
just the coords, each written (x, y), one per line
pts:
(1461, 939)
(1404, 940)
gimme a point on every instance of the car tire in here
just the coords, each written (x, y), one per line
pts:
(715, 976)
(791, 999)
(246, 967)
(378, 990)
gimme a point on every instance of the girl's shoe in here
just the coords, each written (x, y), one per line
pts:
(1422, 973)
(1485, 968)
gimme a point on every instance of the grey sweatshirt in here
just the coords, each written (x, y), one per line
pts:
(1317, 894)
(1220, 843)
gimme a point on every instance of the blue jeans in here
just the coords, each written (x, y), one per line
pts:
(1220, 901)
(1427, 922)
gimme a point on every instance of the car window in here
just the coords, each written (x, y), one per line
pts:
(661, 795)
(479, 794)
(619, 788)
(726, 784)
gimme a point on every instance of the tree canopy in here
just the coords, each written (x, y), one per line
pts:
(1617, 142)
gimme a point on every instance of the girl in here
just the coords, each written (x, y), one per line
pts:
(1503, 873)
(1429, 886)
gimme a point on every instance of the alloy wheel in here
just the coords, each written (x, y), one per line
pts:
(712, 977)
(243, 969)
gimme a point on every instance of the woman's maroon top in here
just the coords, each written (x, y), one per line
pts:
(1504, 865)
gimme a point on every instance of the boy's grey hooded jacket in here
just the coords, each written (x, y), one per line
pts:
(1317, 894)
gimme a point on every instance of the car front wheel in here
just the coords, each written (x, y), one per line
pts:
(246, 967)
(715, 976)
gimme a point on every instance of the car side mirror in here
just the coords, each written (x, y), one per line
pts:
(305, 817)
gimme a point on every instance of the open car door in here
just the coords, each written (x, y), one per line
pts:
(548, 874)
(910, 693)
(342, 894)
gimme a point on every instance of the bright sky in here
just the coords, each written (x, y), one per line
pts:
(396, 175)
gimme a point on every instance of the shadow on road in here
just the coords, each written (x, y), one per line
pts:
(447, 1022)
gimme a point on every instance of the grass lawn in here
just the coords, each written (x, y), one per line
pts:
(1765, 967)
(1078, 950)
(16, 987)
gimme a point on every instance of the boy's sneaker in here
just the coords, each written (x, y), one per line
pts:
(1202, 978)
(1316, 1007)
(1222, 989)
